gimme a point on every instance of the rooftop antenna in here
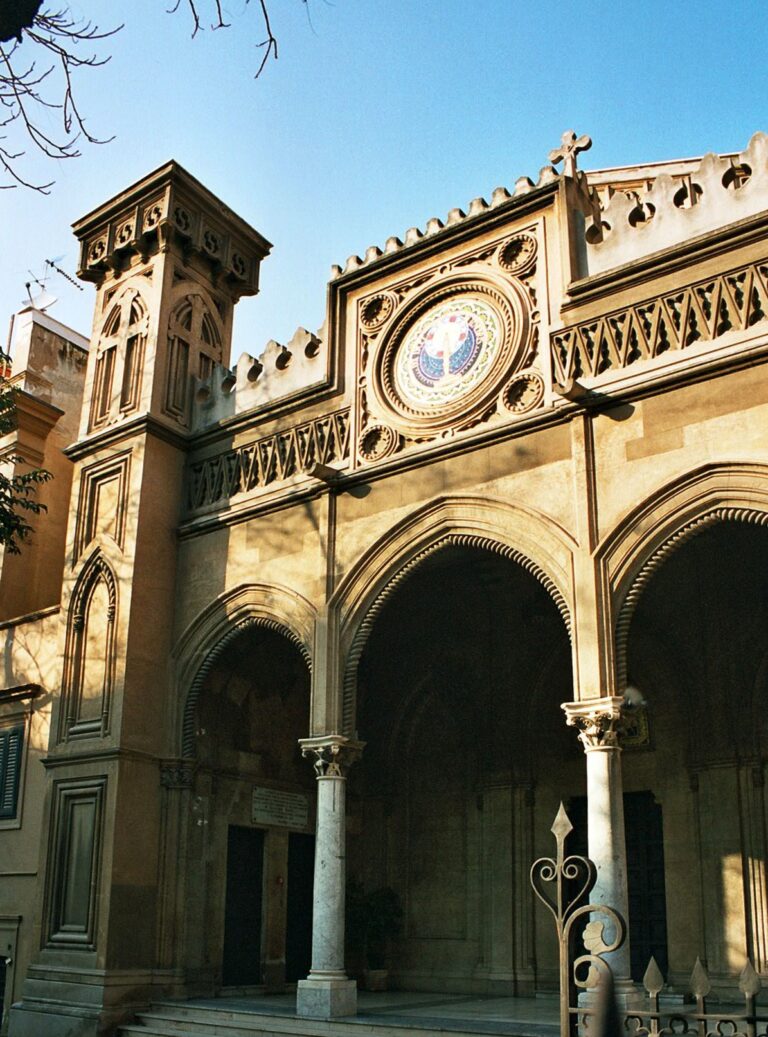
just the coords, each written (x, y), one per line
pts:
(43, 299)
(53, 264)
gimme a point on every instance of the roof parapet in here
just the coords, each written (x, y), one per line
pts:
(278, 373)
(500, 196)
(720, 191)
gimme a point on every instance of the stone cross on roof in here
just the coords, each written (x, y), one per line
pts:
(570, 147)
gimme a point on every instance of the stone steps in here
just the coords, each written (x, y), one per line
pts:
(170, 1019)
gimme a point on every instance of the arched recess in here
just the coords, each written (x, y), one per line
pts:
(207, 638)
(197, 333)
(679, 511)
(527, 537)
(89, 667)
(119, 359)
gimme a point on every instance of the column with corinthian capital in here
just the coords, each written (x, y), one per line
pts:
(327, 992)
(599, 723)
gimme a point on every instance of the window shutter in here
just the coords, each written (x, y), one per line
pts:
(11, 744)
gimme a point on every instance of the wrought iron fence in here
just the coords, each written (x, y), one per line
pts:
(570, 880)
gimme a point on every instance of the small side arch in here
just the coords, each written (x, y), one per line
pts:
(207, 638)
(677, 512)
(528, 537)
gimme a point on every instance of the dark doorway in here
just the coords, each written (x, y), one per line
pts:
(298, 934)
(645, 875)
(645, 878)
(241, 964)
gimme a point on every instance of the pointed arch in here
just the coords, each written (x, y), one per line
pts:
(677, 512)
(196, 334)
(208, 637)
(527, 537)
(89, 668)
(119, 359)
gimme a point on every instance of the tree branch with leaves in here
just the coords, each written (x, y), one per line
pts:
(17, 489)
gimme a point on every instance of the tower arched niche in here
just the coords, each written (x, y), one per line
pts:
(208, 637)
(198, 338)
(89, 669)
(119, 357)
(527, 537)
(654, 531)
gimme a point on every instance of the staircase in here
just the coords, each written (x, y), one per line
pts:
(208, 1019)
(188, 1019)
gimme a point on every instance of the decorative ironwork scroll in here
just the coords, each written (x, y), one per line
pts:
(572, 880)
(698, 1021)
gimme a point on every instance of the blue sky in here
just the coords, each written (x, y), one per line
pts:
(378, 115)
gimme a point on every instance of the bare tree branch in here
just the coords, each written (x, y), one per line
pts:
(39, 58)
(270, 42)
(26, 92)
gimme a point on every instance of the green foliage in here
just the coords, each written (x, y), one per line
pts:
(17, 492)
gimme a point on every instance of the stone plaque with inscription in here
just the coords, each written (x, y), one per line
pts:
(277, 807)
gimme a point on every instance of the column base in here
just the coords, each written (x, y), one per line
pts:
(326, 998)
(626, 993)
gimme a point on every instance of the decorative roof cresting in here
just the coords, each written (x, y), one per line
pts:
(570, 146)
(721, 191)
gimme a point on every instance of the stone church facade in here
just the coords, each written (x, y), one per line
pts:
(372, 604)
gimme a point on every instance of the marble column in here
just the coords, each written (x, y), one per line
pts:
(599, 722)
(327, 992)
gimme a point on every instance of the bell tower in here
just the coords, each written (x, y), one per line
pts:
(169, 262)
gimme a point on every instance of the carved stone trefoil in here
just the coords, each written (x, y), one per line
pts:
(377, 442)
(518, 254)
(524, 392)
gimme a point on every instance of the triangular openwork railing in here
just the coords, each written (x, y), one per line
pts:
(571, 880)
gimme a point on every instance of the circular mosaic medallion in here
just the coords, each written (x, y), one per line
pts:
(447, 352)
(444, 357)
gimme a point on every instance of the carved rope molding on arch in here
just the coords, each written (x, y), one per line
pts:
(657, 559)
(470, 540)
(190, 706)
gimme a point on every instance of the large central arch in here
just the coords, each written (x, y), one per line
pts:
(529, 538)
